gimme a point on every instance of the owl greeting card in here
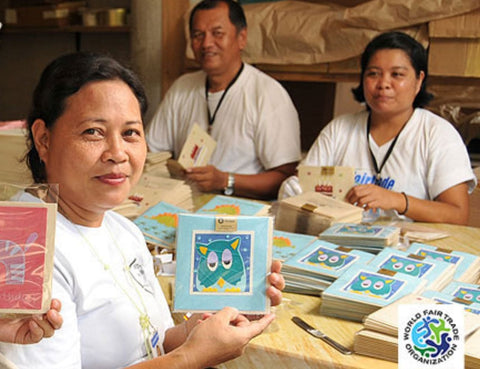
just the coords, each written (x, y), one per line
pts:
(222, 261)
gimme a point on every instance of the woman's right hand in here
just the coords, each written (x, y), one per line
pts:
(221, 337)
(290, 187)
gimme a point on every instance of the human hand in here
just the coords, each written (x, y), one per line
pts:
(207, 178)
(290, 187)
(221, 337)
(370, 196)
(33, 328)
(277, 283)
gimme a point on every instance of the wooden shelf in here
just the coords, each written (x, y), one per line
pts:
(68, 29)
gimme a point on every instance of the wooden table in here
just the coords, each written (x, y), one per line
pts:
(284, 345)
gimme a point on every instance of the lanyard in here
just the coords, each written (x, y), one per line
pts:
(144, 320)
(211, 118)
(387, 155)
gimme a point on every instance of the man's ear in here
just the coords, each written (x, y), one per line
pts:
(242, 39)
(41, 138)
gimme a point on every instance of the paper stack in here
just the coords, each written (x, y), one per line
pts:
(229, 205)
(379, 339)
(438, 273)
(372, 238)
(152, 189)
(472, 352)
(156, 163)
(159, 224)
(316, 266)
(361, 290)
(447, 298)
(312, 213)
(468, 265)
(12, 150)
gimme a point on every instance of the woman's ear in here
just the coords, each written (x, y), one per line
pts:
(41, 138)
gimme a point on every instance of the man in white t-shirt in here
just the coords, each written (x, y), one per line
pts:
(249, 114)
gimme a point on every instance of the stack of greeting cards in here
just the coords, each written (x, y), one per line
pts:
(228, 205)
(361, 290)
(287, 244)
(468, 265)
(159, 224)
(331, 181)
(152, 189)
(316, 266)
(27, 237)
(438, 273)
(12, 149)
(312, 213)
(372, 238)
(223, 261)
(156, 163)
(379, 339)
(472, 352)
(447, 298)
(464, 293)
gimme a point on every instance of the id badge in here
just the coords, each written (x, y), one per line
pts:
(153, 341)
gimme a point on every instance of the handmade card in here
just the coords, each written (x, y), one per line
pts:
(446, 298)
(196, 152)
(361, 234)
(287, 244)
(438, 273)
(468, 292)
(27, 236)
(159, 224)
(223, 261)
(325, 259)
(228, 205)
(364, 284)
(334, 181)
(468, 265)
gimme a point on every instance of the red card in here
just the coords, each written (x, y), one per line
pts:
(23, 235)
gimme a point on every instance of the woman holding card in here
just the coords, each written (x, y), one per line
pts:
(409, 161)
(86, 134)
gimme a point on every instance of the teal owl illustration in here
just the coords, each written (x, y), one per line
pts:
(328, 258)
(221, 267)
(372, 285)
(468, 294)
(405, 266)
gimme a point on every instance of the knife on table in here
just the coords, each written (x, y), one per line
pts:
(316, 333)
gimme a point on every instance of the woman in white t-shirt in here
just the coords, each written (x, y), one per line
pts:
(86, 134)
(408, 161)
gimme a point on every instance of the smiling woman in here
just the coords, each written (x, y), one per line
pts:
(86, 134)
(408, 161)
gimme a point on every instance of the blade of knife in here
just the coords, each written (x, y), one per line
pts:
(316, 333)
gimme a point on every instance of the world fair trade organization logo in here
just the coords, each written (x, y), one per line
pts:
(430, 336)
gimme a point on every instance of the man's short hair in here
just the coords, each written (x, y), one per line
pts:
(235, 12)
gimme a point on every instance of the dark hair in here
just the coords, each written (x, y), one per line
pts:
(235, 12)
(62, 78)
(416, 53)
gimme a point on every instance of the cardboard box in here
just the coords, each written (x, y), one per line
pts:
(58, 15)
(455, 46)
(454, 57)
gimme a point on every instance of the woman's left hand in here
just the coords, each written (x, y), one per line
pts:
(374, 197)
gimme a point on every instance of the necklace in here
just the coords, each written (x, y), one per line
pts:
(211, 118)
(378, 170)
(150, 335)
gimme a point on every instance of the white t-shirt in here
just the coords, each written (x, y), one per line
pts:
(101, 324)
(428, 158)
(256, 126)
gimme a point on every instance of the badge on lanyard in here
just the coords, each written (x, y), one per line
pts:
(153, 341)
